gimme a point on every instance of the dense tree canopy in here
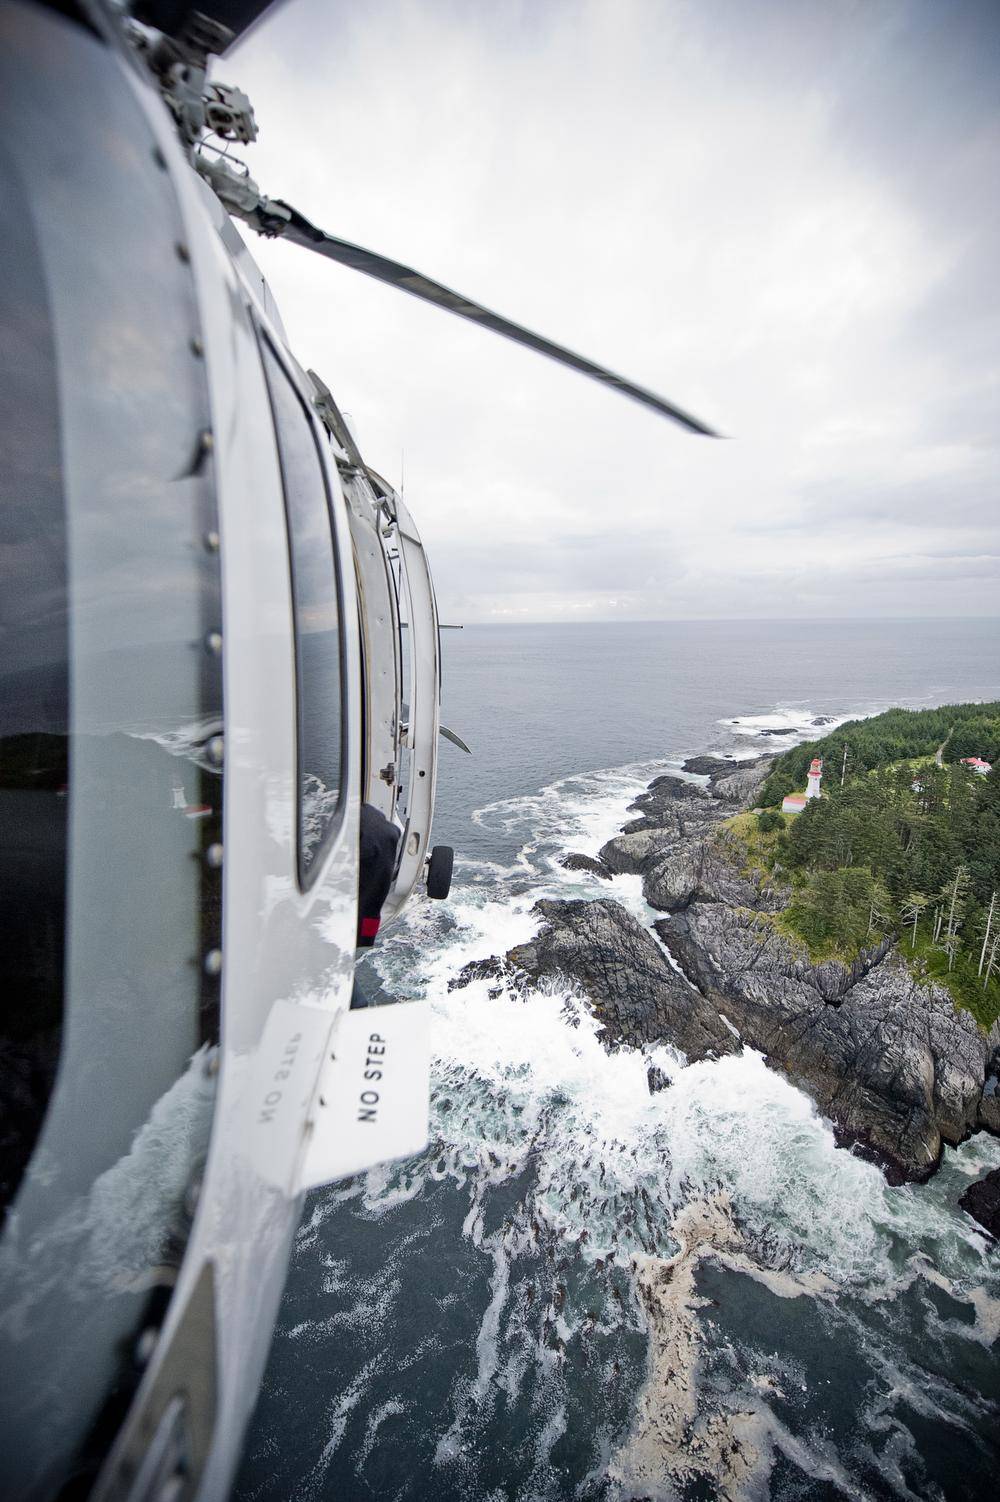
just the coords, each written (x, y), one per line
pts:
(902, 845)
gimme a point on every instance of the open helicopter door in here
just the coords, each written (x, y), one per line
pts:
(400, 642)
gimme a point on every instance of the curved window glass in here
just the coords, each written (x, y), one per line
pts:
(318, 679)
(110, 726)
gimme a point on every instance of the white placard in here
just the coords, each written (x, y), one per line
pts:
(372, 1103)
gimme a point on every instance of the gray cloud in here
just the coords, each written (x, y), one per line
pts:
(782, 217)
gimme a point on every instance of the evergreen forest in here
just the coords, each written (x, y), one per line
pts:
(904, 842)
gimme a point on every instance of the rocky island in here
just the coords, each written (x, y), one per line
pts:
(858, 1019)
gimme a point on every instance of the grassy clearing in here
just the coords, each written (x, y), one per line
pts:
(758, 851)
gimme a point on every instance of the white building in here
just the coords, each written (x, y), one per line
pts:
(815, 773)
(977, 765)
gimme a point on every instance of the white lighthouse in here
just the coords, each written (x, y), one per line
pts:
(815, 773)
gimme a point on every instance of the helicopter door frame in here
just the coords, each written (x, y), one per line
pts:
(423, 718)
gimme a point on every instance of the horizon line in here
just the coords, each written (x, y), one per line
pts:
(708, 620)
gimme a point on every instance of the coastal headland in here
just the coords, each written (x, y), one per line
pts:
(869, 1029)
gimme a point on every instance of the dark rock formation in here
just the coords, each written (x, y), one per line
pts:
(670, 811)
(635, 992)
(656, 1080)
(982, 1201)
(894, 1065)
(710, 766)
(989, 1106)
(576, 862)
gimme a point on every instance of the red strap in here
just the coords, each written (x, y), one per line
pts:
(369, 927)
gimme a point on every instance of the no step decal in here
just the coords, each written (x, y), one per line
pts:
(372, 1102)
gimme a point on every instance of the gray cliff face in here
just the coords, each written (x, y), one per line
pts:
(619, 966)
(897, 1069)
(894, 1065)
(700, 872)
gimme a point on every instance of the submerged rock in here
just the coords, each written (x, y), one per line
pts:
(982, 1201)
(576, 862)
(618, 965)
(492, 968)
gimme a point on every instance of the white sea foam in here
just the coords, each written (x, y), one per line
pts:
(785, 725)
(575, 813)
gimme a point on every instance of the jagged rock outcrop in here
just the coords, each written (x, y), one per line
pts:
(670, 811)
(989, 1106)
(492, 968)
(635, 992)
(982, 1201)
(710, 766)
(742, 785)
(671, 844)
(699, 871)
(656, 1080)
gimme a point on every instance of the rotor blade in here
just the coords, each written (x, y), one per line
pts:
(172, 16)
(407, 280)
(448, 735)
(456, 740)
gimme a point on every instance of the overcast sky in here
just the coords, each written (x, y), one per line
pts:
(783, 216)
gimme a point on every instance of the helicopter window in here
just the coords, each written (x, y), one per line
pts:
(317, 618)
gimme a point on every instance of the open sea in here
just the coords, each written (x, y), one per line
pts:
(469, 1324)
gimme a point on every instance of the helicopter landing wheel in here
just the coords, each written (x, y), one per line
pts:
(439, 869)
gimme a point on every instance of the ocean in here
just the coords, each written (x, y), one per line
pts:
(470, 1324)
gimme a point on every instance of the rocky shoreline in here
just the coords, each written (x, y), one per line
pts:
(891, 1062)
